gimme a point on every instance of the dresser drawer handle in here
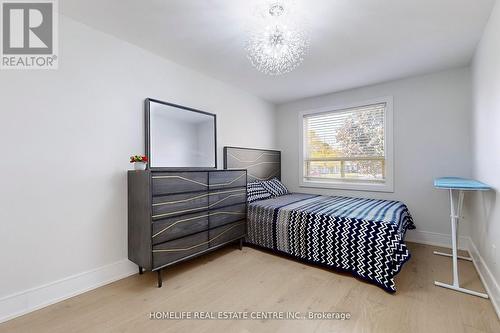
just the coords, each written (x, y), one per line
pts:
(179, 177)
(178, 212)
(221, 200)
(194, 246)
(181, 249)
(229, 183)
(177, 222)
(193, 198)
(179, 201)
(230, 213)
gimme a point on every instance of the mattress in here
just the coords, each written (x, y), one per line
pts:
(361, 236)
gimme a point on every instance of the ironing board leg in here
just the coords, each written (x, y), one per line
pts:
(455, 217)
(462, 290)
(454, 222)
(451, 255)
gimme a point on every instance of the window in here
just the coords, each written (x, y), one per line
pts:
(348, 147)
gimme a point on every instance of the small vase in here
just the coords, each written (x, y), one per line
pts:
(139, 166)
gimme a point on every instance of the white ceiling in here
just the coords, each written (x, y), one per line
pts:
(354, 42)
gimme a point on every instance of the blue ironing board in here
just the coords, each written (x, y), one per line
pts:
(460, 185)
(456, 183)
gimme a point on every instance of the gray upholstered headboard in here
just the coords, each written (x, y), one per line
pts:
(261, 164)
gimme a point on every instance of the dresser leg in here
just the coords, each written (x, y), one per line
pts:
(241, 244)
(160, 280)
(141, 270)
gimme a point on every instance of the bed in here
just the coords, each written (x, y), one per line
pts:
(358, 235)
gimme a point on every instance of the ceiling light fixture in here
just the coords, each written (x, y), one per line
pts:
(276, 45)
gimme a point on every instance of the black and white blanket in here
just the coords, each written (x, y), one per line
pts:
(362, 236)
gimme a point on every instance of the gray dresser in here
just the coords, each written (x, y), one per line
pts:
(175, 216)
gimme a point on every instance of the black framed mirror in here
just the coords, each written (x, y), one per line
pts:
(179, 137)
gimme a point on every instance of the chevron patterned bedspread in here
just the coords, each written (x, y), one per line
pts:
(362, 236)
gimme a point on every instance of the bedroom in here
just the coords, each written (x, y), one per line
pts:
(423, 75)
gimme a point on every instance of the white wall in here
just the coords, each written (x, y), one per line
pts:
(431, 139)
(486, 147)
(66, 138)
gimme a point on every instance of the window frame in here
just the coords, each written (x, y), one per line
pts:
(348, 184)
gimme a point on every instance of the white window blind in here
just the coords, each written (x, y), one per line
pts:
(346, 144)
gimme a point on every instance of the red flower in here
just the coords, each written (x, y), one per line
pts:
(138, 158)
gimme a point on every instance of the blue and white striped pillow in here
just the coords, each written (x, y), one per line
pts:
(275, 187)
(255, 191)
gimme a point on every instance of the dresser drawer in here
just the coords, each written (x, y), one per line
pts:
(176, 227)
(226, 215)
(227, 179)
(169, 252)
(178, 204)
(227, 197)
(179, 182)
(227, 233)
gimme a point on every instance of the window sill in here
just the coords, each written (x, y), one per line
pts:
(345, 185)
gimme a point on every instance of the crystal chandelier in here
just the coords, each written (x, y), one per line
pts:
(277, 46)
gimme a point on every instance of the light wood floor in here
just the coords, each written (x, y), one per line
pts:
(252, 280)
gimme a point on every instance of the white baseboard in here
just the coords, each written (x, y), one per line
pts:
(436, 239)
(17, 304)
(490, 284)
